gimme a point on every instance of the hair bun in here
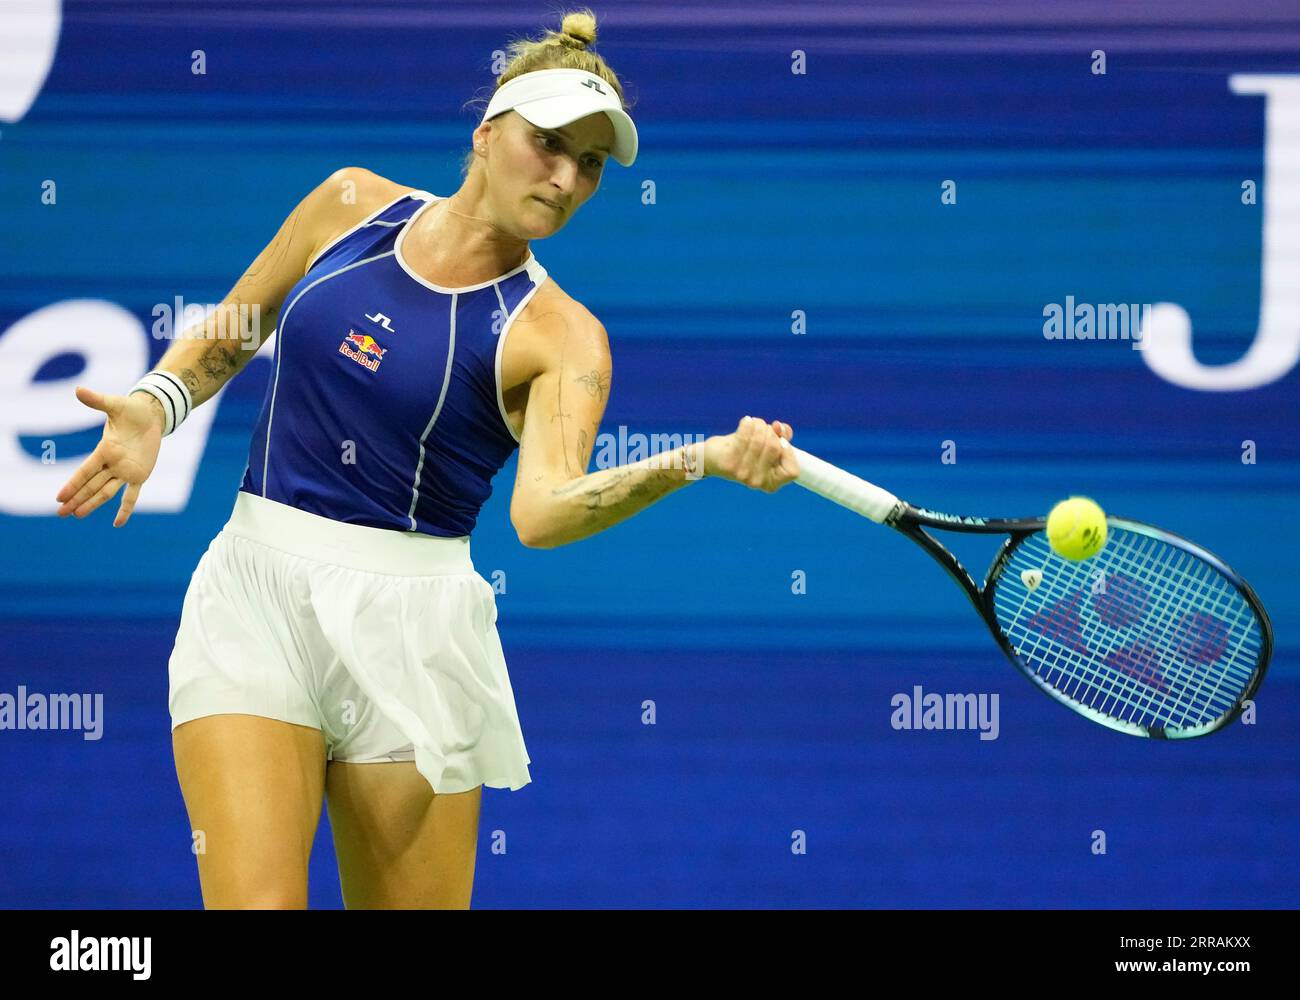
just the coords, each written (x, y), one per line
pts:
(580, 27)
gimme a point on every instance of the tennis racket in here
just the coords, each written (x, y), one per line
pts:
(1153, 636)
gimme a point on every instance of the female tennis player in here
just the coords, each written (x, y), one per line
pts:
(335, 639)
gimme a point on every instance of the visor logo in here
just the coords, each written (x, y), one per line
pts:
(595, 85)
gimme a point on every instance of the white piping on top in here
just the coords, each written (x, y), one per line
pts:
(280, 348)
(442, 396)
(367, 221)
(397, 252)
(538, 275)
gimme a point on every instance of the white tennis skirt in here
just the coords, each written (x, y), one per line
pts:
(384, 640)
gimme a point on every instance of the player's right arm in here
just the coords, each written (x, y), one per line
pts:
(209, 353)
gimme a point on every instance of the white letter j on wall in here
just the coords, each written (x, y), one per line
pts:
(1276, 347)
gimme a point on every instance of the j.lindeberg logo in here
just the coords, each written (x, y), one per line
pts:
(595, 85)
(382, 320)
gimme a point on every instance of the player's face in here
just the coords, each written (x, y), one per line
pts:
(542, 176)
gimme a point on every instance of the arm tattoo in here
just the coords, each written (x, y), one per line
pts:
(628, 488)
(561, 416)
(276, 252)
(224, 356)
(596, 383)
(583, 456)
(220, 361)
(217, 363)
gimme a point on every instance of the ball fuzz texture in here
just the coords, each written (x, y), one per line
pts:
(1076, 528)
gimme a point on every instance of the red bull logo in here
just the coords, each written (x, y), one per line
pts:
(363, 349)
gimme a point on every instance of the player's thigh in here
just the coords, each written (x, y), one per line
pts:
(253, 789)
(398, 844)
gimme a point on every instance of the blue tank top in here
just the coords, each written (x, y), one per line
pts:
(384, 406)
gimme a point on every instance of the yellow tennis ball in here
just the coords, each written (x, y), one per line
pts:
(1076, 528)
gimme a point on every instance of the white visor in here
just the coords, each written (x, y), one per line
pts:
(551, 98)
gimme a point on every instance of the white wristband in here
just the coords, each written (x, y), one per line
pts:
(171, 393)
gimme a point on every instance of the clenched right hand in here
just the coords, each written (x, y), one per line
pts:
(756, 454)
(126, 454)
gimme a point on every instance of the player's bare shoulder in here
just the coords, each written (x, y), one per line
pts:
(346, 198)
(560, 323)
(553, 331)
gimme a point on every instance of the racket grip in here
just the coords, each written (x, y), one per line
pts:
(844, 488)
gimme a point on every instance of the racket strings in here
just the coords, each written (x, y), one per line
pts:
(1156, 635)
(1156, 680)
(1074, 676)
(1145, 633)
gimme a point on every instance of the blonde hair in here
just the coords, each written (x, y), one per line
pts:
(567, 48)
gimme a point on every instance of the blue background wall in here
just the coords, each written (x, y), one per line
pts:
(775, 192)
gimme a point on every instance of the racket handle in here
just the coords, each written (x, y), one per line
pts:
(844, 488)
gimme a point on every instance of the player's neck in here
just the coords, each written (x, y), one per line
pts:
(455, 240)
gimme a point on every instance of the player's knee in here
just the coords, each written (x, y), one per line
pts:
(259, 899)
(249, 890)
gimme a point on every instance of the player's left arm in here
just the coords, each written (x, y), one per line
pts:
(555, 500)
